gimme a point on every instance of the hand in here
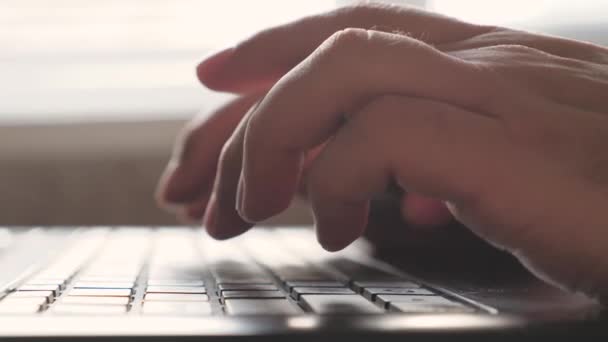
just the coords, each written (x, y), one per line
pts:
(508, 128)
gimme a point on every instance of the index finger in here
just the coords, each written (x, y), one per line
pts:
(309, 104)
(257, 62)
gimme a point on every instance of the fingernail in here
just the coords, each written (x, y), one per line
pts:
(212, 66)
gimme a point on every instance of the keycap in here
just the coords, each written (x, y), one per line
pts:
(252, 294)
(81, 309)
(30, 248)
(49, 281)
(384, 300)
(11, 308)
(173, 282)
(331, 283)
(176, 297)
(296, 292)
(243, 280)
(40, 301)
(299, 272)
(343, 304)
(101, 292)
(176, 308)
(408, 307)
(260, 307)
(108, 279)
(173, 274)
(371, 292)
(31, 294)
(235, 272)
(357, 271)
(175, 289)
(362, 284)
(103, 285)
(53, 288)
(248, 287)
(95, 300)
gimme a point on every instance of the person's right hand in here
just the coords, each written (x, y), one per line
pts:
(507, 127)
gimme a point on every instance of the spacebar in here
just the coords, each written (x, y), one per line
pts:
(32, 248)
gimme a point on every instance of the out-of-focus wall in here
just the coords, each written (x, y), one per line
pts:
(81, 174)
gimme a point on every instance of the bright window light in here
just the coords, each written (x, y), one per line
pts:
(75, 60)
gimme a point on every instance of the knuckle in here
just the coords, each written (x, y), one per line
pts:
(230, 154)
(345, 41)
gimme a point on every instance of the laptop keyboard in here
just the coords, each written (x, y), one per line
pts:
(181, 272)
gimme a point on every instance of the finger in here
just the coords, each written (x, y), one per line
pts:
(191, 170)
(557, 46)
(422, 211)
(382, 142)
(223, 221)
(544, 74)
(306, 106)
(256, 63)
(194, 211)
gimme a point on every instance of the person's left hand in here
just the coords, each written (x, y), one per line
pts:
(250, 71)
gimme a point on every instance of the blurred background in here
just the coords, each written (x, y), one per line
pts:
(93, 92)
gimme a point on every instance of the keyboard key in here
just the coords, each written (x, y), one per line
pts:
(81, 309)
(236, 272)
(58, 282)
(12, 308)
(296, 292)
(343, 304)
(101, 292)
(95, 300)
(252, 294)
(300, 272)
(408, 307)
(176, 308)
(356, 271)
(248, 287)
(169, 282)
(384, 300)
(176, 297)
(174, 274)
(360, 285)
(103, 285)
(371, 292)
(175, 289)
(40, 301)
(260, 307)
(243, 280)
(331, 283)
(107, 279)
(31, 294)
(53, 288)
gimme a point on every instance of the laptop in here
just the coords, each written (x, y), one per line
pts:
(176, 283)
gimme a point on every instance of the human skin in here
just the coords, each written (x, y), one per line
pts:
(503, 130)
